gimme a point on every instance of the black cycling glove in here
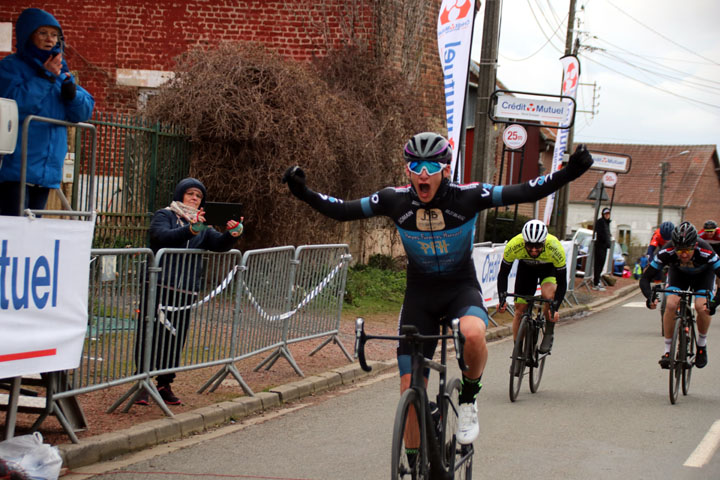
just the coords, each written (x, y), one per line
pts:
(295, 178)
(580, 161)
(712, 305)
(502, 298)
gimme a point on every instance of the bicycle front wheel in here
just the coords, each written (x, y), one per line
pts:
(409, 446)
(517, 365)
(536, 368)
(689, 349)
(455, 455)
(677, 360)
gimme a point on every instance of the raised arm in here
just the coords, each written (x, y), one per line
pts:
(334, 208)
(541, 187)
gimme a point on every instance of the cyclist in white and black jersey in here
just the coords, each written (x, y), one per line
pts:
(436, 222)
(692, 264)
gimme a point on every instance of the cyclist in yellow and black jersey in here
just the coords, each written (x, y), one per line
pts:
(541, 259)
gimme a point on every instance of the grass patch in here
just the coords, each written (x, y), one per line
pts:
(371, 289)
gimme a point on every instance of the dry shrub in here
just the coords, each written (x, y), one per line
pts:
(251, 113)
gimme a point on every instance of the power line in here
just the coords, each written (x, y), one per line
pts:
(706, 88)
(698, 102)
(661, 35)
(647, 59)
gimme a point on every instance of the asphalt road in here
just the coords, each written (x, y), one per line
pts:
(602, 412)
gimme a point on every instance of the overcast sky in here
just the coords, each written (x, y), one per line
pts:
(656, 64)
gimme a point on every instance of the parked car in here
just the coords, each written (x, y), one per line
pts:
(583, 237)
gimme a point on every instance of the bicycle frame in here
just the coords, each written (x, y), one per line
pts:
(682, 351)
(433, 446)
(525, 350)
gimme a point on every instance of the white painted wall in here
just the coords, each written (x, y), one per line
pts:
(641, 220)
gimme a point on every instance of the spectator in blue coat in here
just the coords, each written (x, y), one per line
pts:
(38, 79)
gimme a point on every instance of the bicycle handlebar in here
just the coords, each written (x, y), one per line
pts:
(409, 333)
(533, 299)
(683, 293)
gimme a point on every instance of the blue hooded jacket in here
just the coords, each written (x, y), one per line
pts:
(37, 92)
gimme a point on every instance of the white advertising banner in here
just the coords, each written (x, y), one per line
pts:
(44, 269)
(571, 78)
(545, 111)
(454, 33)
(487, 266)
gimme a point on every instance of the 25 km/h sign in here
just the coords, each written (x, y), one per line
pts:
(514, 136)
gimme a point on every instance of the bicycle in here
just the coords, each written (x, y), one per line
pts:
(682, 348)
(525, 351)
(428, 429)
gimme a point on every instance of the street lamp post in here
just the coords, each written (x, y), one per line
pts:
(663, 175)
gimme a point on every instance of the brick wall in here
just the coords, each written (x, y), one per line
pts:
(105, 36)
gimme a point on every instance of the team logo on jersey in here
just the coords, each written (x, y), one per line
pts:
(431, 220)
(330, 199)
(404, 217)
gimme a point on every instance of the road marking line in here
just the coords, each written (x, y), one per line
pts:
(635, 304)
(706, 448)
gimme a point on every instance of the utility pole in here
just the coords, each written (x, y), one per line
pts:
(663, 176)
(561, 205)
(483, 159)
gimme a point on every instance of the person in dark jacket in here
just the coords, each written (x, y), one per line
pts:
(38, 79)
(180, 225)
(603, 240)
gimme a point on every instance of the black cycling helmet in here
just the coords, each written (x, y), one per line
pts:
(684, 235)
(666, 229)
(429, 147)
(710, 225)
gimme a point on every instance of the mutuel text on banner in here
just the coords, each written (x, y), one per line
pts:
(454, 33)
(44, 271)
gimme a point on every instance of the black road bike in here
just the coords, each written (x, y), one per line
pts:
(526, 360)
(682, 348)
(424, 446)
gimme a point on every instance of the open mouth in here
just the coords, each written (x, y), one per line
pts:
(424, 188)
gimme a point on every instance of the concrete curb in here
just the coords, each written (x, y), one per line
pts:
(149, 434)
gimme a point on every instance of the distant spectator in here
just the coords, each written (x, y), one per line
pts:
(38, 79)
(603, 240)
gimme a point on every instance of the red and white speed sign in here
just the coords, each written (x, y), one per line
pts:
(609, 179)
(514, 137)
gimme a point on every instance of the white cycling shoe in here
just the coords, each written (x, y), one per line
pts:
(468, 428)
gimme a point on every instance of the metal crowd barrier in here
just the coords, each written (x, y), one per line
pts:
(184, 309)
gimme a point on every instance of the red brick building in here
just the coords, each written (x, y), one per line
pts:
(690, 191)
(119, 49)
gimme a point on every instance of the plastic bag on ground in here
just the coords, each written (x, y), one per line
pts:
(28, 455)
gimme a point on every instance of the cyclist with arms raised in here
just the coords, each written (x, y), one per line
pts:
(436, 222)
(691, 264)
(541, 259)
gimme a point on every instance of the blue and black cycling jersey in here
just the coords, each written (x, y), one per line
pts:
(438, 236)
(703, 263)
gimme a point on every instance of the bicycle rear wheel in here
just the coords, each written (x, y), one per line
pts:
(689, 348)
(536, 371)
(517, 365)
(677, 359)
(409, 445)
(453, 452)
